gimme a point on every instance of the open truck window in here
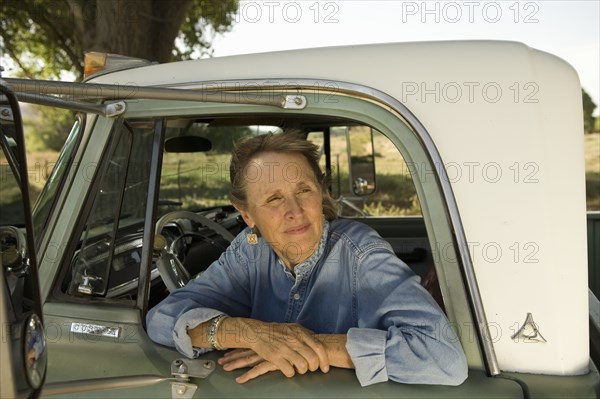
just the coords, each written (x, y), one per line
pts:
(194, 177)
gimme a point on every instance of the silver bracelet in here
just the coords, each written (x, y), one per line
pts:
(213, 330)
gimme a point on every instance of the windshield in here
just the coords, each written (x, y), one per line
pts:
(11, 203)
(46, 198)
(194, 177)
(199, 179)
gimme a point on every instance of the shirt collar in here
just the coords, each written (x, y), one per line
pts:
(304, 268)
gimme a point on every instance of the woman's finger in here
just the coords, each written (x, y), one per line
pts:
(310, 357)
(311, 349)
(245, 362)
(298, 361)
(236, 354)
(256, 371)
(317, 349)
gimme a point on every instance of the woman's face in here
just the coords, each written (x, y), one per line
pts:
(285, 204)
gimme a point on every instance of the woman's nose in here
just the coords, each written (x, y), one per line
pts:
(293, 207)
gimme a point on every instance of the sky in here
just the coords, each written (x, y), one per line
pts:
(568, 29)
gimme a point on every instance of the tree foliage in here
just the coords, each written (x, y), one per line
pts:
(48, 128)
(588, 112)
(45, 37)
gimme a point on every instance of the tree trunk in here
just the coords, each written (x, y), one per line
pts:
(138, 28)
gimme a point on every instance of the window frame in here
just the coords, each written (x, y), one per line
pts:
(438, 205)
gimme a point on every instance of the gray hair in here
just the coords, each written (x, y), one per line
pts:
(290, 142)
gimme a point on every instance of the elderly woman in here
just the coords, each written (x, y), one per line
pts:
(300, 290)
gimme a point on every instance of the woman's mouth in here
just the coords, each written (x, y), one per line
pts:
(298, 229)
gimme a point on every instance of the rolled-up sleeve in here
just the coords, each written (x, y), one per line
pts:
(366, 347)
(187, 321)
(221, 289)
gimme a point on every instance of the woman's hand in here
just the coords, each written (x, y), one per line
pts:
(290, 348)
(335, 345)
(267, 347)
(244, 358)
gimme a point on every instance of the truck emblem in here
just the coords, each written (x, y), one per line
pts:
(94, 329)
(529, 332)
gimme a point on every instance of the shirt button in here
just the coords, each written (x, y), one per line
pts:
(296, 296)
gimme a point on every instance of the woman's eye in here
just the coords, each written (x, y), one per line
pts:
(273, 199)
(305, 190)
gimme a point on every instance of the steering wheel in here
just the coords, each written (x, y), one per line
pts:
(171, 270)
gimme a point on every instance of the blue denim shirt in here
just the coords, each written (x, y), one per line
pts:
(353, 284)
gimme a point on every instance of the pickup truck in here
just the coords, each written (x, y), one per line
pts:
(466, 156)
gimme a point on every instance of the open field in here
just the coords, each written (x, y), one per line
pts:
(40, 164)
(592, 171)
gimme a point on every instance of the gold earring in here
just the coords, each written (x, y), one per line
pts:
(251, 237)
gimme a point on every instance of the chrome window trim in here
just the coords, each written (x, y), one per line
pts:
(39, 92)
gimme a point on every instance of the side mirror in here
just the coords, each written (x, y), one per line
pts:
(361, 156)
(23, 357)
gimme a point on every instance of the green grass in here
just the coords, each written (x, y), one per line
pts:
(592, 171)
(195, 180)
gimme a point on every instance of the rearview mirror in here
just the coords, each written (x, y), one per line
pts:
(361, 156)
(187, 144)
